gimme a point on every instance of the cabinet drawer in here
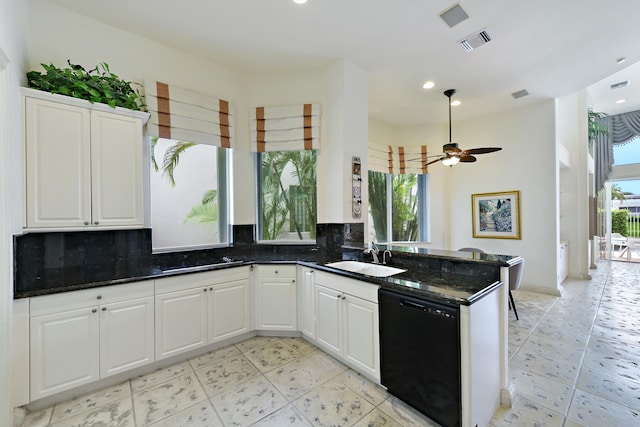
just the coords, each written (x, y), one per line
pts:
(48, 304)
(276, 271)
(358, 288)
(197, 280)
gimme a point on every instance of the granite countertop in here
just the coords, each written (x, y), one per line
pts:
(448, 288)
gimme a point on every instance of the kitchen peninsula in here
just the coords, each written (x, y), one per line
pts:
(471, 282)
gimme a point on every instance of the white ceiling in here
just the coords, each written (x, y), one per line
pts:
(551, 48)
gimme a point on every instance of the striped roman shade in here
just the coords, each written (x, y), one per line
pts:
(398, 160)
(285, 128)
(188, 116)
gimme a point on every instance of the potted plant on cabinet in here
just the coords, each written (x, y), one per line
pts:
(96, 85)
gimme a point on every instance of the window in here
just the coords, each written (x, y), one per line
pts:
(189, 195)
(287, 195)
(628, 153)
(398, 207)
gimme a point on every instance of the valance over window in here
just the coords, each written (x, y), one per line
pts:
(398, 160)
(188, 116)
(285, 128)
(622, 128)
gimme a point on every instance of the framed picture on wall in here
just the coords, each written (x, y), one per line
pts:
(496, 215)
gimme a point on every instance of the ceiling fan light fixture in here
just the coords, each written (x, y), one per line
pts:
(450, 160)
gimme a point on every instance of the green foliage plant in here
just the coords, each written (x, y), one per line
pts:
(595, 126)
(96, 85)
(279, 201)
(619, 221)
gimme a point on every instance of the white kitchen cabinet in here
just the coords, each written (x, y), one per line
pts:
(194, 310)
(84, 164)
(276, 301)
(230, 310)
(79, 337)
(306, 305)
(181, 321)
(126, 335)
(347, 323)
(329, 319)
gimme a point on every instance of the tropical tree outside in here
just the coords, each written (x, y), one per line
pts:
(404, 206)
(205, 213)
(288, 195)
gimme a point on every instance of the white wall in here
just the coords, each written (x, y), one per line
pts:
(526, 163)
(13, 17)
(574, 184)
(341, 89)
(58, 34)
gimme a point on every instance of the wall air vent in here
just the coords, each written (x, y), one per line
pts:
(476, 40)
(454, 15)
(520, 93)
(620, 85)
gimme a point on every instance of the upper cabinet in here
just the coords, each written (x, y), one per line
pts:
(84, 164)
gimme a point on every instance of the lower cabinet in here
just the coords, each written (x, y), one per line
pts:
(81, 337)
(347, 321)
(306, 302)
(194, 310)
(276, 301)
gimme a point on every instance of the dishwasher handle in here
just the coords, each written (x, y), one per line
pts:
(414, 305)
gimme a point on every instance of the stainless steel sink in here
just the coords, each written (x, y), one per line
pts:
(374, 270)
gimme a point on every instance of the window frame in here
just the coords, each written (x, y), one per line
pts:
(224, 162)
(259, 206)
(423, 216)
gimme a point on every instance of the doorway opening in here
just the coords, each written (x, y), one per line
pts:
(619, 206)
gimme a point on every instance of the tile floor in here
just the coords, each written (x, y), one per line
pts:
(574, 362)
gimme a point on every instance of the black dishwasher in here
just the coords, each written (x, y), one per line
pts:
(420, 354)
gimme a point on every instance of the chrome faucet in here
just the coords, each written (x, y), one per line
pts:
(373, 250)
(384, 256)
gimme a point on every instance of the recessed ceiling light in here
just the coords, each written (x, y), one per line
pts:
(300, 1)
(621, 101)
(621, 60)
(428, 85)
(455, 103)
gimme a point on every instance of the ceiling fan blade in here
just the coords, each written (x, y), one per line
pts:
(482, 150)
(468, 159)
(434, 161)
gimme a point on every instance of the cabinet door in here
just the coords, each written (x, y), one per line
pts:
(329, 321)
(58, 173)
(64, 351)
(306, 306)
(116, 168)
(276, 304)
(229, 307)
(362, 343)
(126, 335)
(181, 321)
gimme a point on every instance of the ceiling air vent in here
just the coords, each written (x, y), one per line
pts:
(476, 40)
(454, 15)
(620, 85)
(520, 93)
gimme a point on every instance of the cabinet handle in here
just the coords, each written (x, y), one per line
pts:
(343, 297)
(104, 308)
(293, 280)
(99, 297)
(211, 288)
(86, 223)
(94, 310)
(276, 271)
(205, 289)
(96, 223)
